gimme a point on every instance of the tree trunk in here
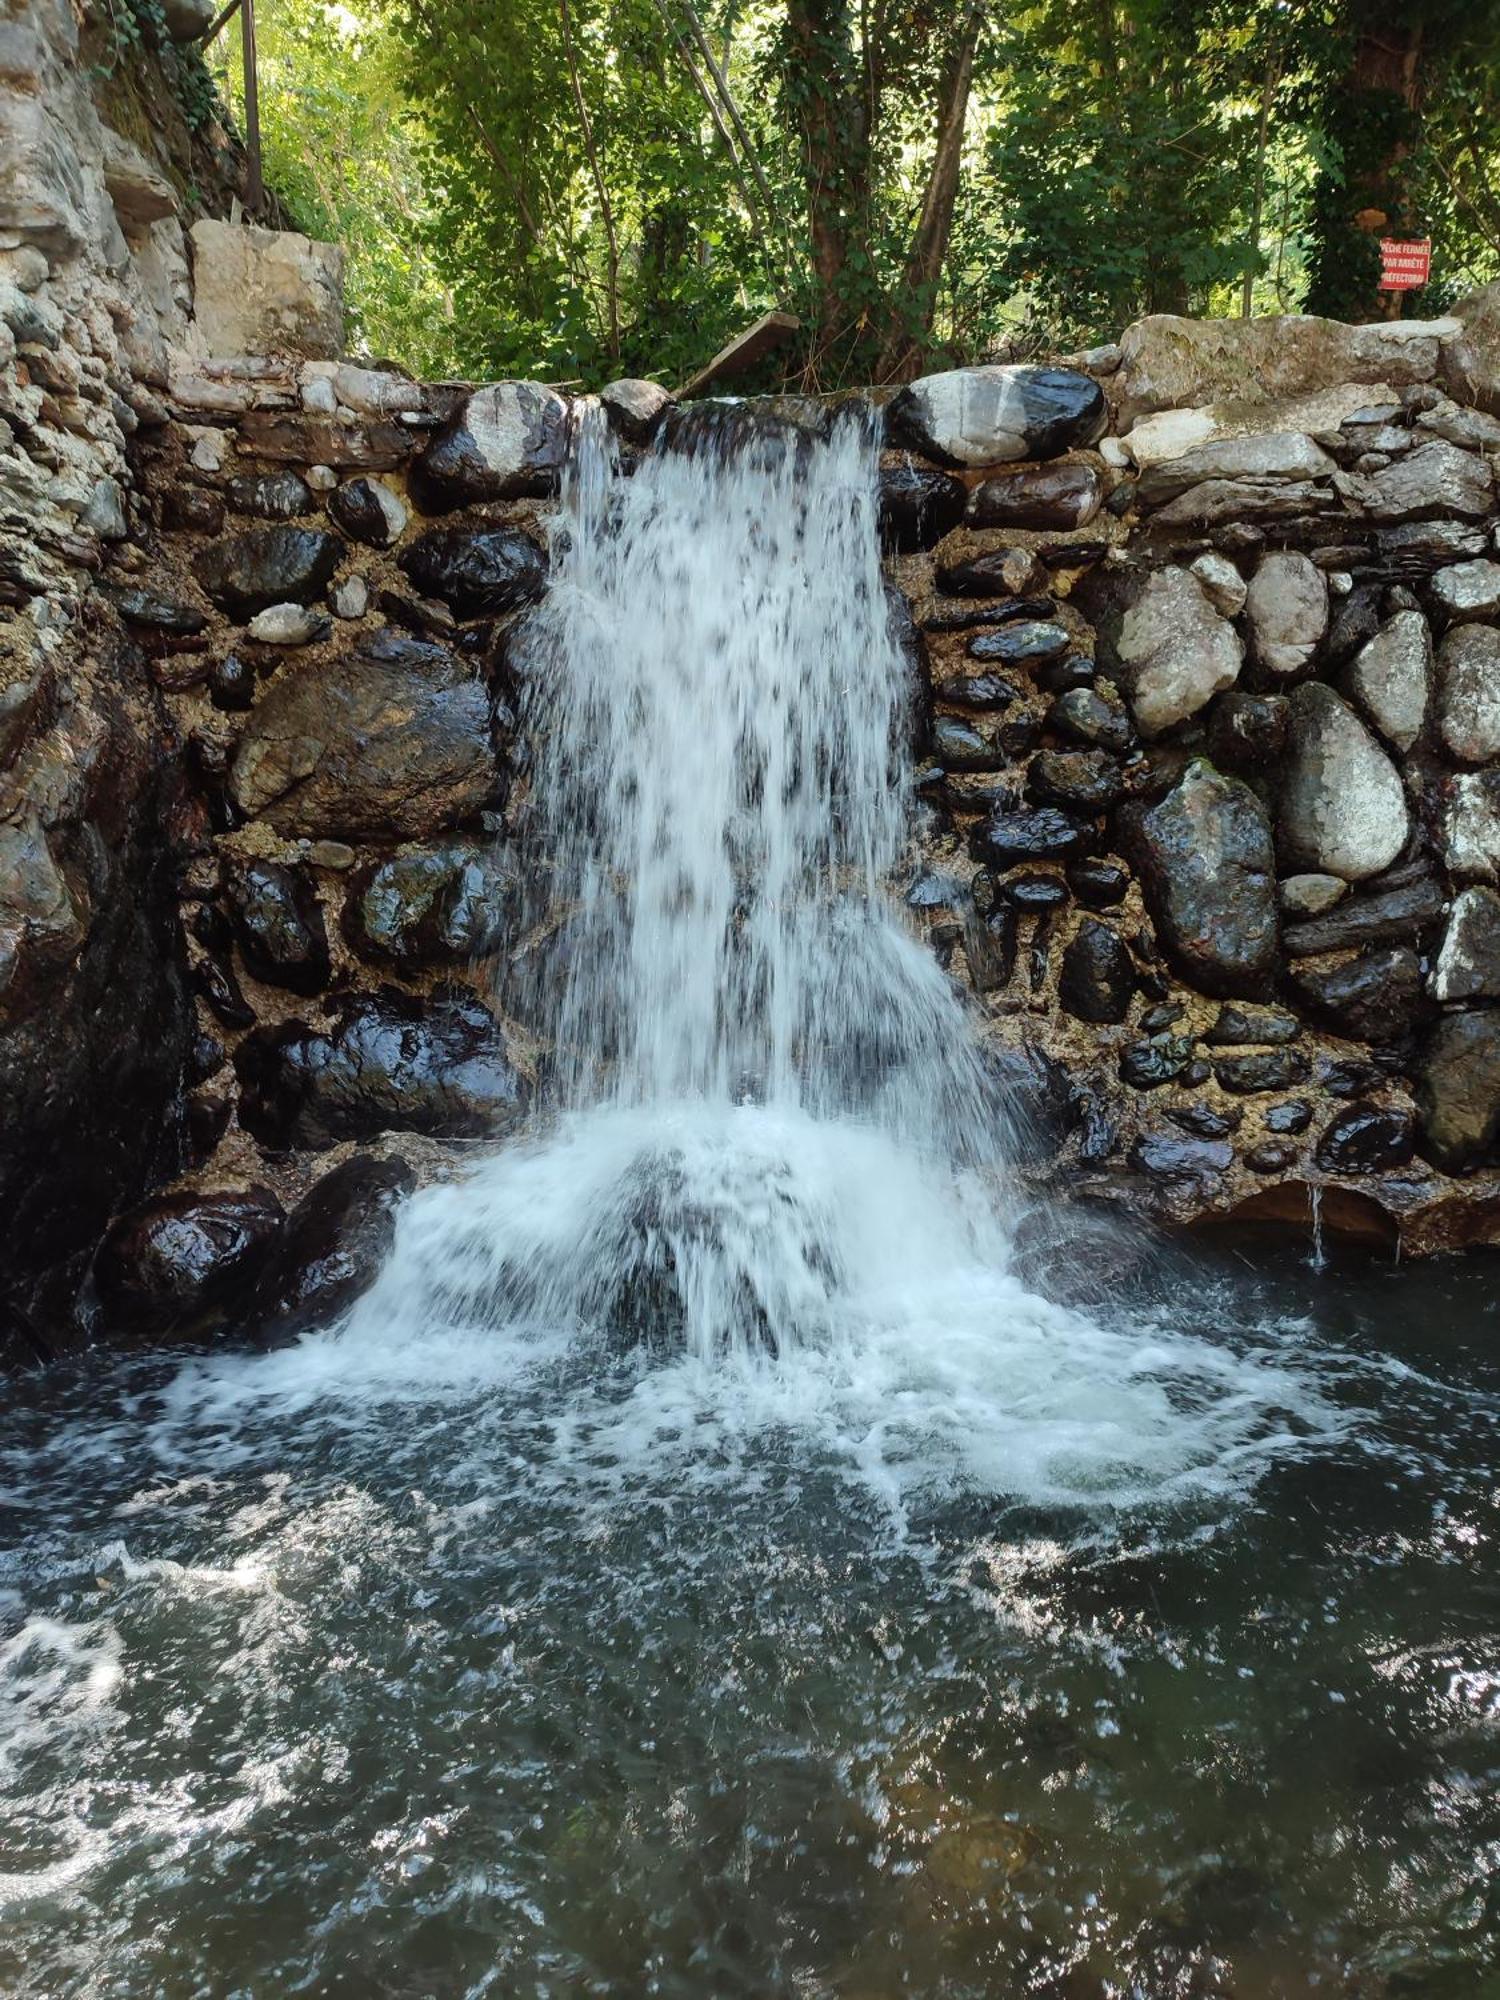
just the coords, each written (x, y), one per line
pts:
(835, 167)
(1376, 111)
(913, 309)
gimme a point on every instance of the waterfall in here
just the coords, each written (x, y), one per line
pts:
(768, 1179)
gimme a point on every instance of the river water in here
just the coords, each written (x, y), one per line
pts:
(710, 1561)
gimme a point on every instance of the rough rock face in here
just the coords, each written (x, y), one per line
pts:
(1343, 811)
(180, 1256)
(1287, 611)
(503, 442)
(477, 572)
(435, 905)
(1471, 361)
(1175, 650)
(986, 416)
(262, 567)
(391, 741)
(267, 291)
(330, 1250)
(1469, 692)
(1209, 872)
(392, 1064)
(1390, 678)
(1458, 1092)
(1171, 363)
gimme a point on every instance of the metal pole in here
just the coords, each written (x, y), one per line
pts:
(253, 183)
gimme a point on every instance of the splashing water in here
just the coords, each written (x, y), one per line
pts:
(776, 1177)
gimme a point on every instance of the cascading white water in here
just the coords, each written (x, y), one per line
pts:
(773, 1169)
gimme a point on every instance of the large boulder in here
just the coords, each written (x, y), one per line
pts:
(392, 1063)
(1471, 358)
(1342, 810)
(250, 572)
(180, 1256)
(1260, 458)
(279, 925)
(439, 904)
(331, 1249)
(1436, 479)
(477, 571)
(1175, 651)
(1390, 678)
(989, 415)
(504, 442)
(389, 742)
(1171, 363)
(1207, 867)
(267, 291)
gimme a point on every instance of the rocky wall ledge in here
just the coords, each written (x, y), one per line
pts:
(1208, 767)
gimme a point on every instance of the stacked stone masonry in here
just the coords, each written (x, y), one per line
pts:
(1207, 766)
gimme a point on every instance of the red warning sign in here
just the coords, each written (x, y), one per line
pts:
(1405, 266)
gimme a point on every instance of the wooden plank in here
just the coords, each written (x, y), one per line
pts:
(770, 331)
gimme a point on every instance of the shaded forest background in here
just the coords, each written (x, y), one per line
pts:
(579, 189)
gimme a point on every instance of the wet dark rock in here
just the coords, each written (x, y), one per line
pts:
(962, 747)
(968, 617)
(1347, 1077)
(933, 891)
(207, 1115)
(1247, 732)
(1355, 621)
(154, 613)
(994, 573)
(918, 506)
(990, 947)
(1098, 884)
(1264, 1069)
(1271, 1156)
(180, 1256)
(1295, 1115)
(271, 496)
(979, 691)
(1042, 1099)
(1094, 716)
(635, 407)
(477, 571)
(368, 511)
(205, 1059)
(192, 510)
(391, 742)
(506, 441)
(442, 904)
(427, 617)
(1367, 1139)
(1088, 781)
(1032, 893)
(231, 684)
(1202, 1120)
(1076, 670)
(1025, 642)
(1458, 1091)
(1166, 1015)
(1042, 496)
(250, 572)
(1207, 868)
(1167, 1156)
(1097, 979)
(330, 1251)
(1390, 916)
(1147, 1065)
(1375, 996)
(1235, 1027)
(1019, 736)
(392, 1063)
(1043, 834)
(992, 414)
(216, 982)
(279, 927)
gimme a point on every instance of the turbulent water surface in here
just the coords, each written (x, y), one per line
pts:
(711, 1560)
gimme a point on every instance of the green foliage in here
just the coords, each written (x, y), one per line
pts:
(138, 29)
(574, 189)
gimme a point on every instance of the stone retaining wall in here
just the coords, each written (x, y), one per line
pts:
(1208, 770)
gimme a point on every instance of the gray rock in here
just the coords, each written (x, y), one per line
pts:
(634, 407)
(279, 927)
(1469, 827)
(369, 511)
(1471, 360)
(1261, 1069)
(350, 598)
(990, 415)
(1254, 1027)
(1260, 457)
(1469, 428)
(189, 20)
(288, 625)
(1342, 809)
(1207, 868)
(1468, 709)
(1458, 1091)
(1436, 479)
(505, 442)
(1367, 1139)
(1391, 916)
(1287, 611)
(1172, 363)
(1311, 895)
(1216, 501)
(391, 741)
(1467, 966)
(1176, 653)
(1391, 678)
(267, 291)
(1467, 590)
(1221, 583)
